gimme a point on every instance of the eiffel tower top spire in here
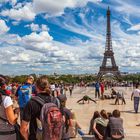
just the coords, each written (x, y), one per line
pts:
(108, 9)
(108, 32)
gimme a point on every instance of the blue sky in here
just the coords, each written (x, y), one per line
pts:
(67, 36)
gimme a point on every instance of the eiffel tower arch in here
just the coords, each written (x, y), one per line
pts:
(108, 55)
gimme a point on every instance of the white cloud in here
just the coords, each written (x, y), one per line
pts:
(3, 27)
(34, 37)
(37, 27)
(44, 27)
(57, 7)
(28, 11)
(33, 27)
(127, 7)
(15, 23)
(134, 28)
(38, 51)
(23, 13)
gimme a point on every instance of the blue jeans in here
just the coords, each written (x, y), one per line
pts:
(136, 104)
(97, 93)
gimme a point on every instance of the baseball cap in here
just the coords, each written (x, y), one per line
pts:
(30, 77)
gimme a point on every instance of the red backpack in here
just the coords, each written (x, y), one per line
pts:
(51, 119)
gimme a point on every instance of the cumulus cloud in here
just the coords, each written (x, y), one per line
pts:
(38, 51)
(3, 27)
(37, 27)
(34, 37)
(33, 27)
(21, 13)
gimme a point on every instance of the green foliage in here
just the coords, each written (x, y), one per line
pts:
(131, 77)
(68, 79)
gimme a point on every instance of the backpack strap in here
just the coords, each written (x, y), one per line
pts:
(58, 103)
(38, 100)
(41, 101)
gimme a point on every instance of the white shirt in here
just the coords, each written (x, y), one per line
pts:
(7, 101)
(136, 93)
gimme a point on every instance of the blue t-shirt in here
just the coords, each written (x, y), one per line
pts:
(24, 93)
(97, 86)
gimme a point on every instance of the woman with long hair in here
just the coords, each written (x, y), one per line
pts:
(95, 115)
(100, 125)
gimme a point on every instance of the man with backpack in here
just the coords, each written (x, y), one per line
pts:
(24, 93)
(42, 107)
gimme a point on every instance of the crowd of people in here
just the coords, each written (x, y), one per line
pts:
(107, 126)
(42, 113)
(100, 89)
(39, 110)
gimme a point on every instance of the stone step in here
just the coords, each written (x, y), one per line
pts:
(90, 137)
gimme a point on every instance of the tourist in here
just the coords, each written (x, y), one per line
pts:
(113, 93)
(70, 89)
(118, 97)
(100, 125)
(86, 98)
(102, 90)
(116, 126)
(61, 86)
(123, 98)
(24, 93)
(73, 129)
(97, 89)
(95, 115)
(53, 88)
(7, 116)
(65, 89)
(33, 109)
(136, 95)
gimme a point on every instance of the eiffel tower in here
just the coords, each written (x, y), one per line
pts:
(108, 55)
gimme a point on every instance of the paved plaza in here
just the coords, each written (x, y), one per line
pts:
(85, 111)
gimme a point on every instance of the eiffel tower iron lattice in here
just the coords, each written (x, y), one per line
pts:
(109, 54)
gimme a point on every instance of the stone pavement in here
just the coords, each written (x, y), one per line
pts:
(85, 111)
